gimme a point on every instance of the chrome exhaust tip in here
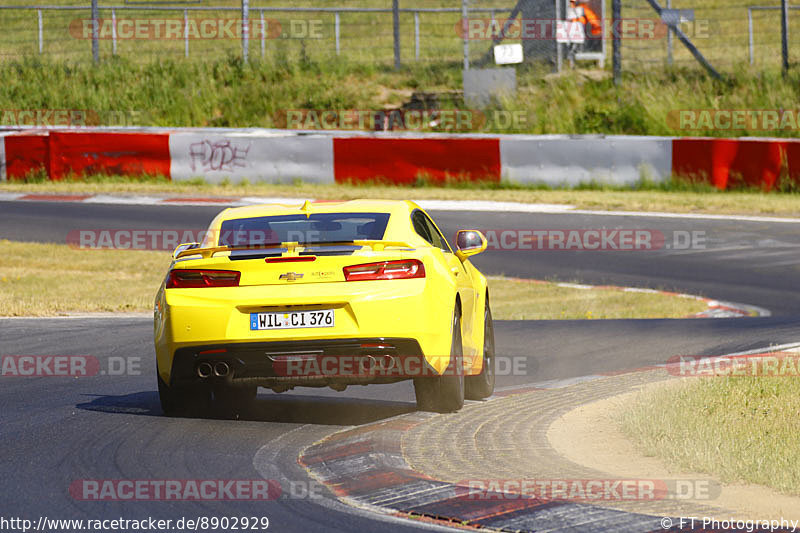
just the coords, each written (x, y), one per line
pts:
(221, 369)
(204, 370)
(386, 361)
(368, 363)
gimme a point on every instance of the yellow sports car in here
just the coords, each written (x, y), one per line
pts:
(323, 294)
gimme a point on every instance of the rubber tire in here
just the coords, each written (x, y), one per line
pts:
(481, 386)
(234, 400)
(182, 401)
(444, 394)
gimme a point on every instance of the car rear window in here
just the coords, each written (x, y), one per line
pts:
(316, 228)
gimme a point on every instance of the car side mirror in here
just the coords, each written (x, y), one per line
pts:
(469, 242)
(183, 247)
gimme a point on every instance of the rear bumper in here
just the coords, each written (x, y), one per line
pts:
(313, 363)
(189, 321)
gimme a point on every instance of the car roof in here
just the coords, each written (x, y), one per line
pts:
(398, 229)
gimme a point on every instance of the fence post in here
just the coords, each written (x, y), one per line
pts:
(750, 33)
(559, 46)
(465, 30)
(616, 20)
(39, 15)
(113, 32)
(336, 23)
(95, 32)
(785, 34)
(669, 38)
(186, 33)
(396, 31)
(416, 35)
(245, 29)
(263, 35)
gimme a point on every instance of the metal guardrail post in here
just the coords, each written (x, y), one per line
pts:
(559, 46)
(114, 32)
(336, 23)
(416, 35)
(669, 38)
(785, 35)
(95, 32)
(750, 34)
(263, 35)
(396, 32)
(465, 30)
(41, 31)
(616, 16)
(245, 29)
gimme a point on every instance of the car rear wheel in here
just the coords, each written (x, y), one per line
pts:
(482, 386)
(444, 394)
(182, 401)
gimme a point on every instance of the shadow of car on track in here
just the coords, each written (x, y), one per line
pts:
(291, 409)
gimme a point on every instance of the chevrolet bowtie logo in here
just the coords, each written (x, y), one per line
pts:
(290, 276)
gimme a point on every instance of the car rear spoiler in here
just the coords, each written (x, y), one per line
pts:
(291, 247)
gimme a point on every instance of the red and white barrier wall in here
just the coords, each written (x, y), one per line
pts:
(327, 157)
(257, 157)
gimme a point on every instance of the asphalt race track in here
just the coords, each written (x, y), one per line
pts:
(54, 431)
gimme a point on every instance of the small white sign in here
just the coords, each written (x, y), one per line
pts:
(507, 54)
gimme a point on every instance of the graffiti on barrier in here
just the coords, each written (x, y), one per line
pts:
(218, 156)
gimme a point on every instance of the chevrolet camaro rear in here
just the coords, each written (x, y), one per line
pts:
(326, 294)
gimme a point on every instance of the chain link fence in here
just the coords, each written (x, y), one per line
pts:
(426, 31)
(730, 34)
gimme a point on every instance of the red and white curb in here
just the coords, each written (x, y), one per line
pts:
(365, 468)
(432, 205)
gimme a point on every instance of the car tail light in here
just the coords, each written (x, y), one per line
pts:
(193, 279)
(403, 269)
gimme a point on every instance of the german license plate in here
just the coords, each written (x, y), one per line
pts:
(323, 318)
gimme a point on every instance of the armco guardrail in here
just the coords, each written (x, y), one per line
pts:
(328, 157)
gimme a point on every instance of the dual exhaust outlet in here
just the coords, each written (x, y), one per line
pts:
(371, 362)
(219, 369)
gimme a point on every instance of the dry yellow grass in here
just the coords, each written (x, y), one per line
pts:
(741, 429)
(535, 300)
(51, 279)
